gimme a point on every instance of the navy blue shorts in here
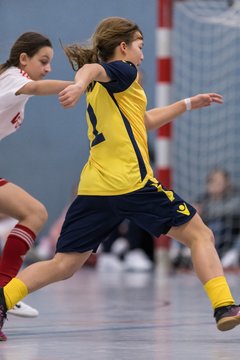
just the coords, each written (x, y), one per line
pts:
(91, 219)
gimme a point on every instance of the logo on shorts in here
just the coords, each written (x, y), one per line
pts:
(182, 209)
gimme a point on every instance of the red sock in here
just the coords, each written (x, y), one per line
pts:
(18, 243)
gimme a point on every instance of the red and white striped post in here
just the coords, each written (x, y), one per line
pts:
(163, 98)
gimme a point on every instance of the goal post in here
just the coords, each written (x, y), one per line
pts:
(203, 44)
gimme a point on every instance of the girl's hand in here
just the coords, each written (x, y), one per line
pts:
(203, 100)
(70, 95)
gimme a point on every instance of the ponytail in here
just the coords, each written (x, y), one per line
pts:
(78, 55)
(107, 37)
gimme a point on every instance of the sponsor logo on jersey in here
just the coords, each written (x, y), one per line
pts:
(182, 209)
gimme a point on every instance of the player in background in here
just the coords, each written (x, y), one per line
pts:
(118, 182)
(21, 77)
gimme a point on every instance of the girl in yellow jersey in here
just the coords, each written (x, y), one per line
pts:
(117, 182)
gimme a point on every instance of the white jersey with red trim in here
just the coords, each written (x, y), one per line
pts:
(12, 105)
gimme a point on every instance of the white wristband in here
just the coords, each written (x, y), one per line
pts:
(188, 103)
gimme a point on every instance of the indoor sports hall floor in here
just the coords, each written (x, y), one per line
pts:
(121, 316)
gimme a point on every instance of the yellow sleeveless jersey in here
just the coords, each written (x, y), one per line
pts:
(119, 159)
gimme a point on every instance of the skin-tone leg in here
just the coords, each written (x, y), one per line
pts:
(199, 238)
(195, 234)
(61, 267)
(17, 203)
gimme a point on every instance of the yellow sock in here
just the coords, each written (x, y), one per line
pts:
(14, 291)
(218, 292)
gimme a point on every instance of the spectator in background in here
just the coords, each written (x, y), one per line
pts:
(220, 210)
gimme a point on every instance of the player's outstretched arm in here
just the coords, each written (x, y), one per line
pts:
(44, 87)
(84, 77)
(157, 117)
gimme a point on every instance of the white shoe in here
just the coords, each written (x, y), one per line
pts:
(137, 260)
(108, 262)
(23, 310)
(120, 246)
(230, 259)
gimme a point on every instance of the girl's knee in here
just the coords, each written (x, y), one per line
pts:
(42, 213)
(68, 263)
(37, 215)
(206, 236)
(63, 269)
(211, 236)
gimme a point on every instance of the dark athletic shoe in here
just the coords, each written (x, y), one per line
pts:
(227, 317)
(3, 314)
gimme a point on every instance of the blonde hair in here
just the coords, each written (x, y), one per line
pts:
(108, 35)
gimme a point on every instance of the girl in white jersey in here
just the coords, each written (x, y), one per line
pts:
(20, 78)
(117, 182)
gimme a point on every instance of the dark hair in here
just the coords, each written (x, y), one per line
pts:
(218, 170)
(108, 35)
(29, 43)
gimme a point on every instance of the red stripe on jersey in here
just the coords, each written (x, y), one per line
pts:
(3, 181)
(24, 73)
(15, 118)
